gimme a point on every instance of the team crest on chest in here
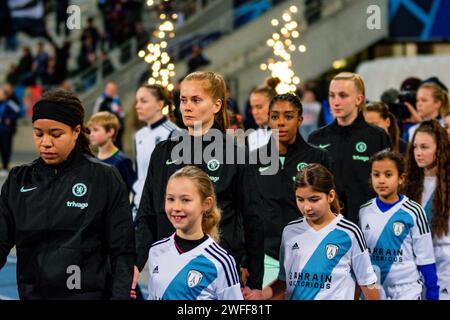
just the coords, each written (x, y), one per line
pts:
(398, 228)
(194, 277)
(213, 165)
(331, 251)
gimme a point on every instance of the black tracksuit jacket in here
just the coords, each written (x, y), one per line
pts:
(350, 148)
(74, 214)
(277, 204)
(235, 188)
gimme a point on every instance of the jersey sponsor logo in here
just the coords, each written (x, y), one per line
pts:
(398, 228)
(23, 189)
(79, 189)
(360, 158)
(309, 280)
(361, 147)
(156, 270)
(301, 165)
(213, 179)
(73, 204)
(324, 146)
(194, 277)
(295, 246)
(367, 227)
(331, 251)
(169, 161)
(213, 165)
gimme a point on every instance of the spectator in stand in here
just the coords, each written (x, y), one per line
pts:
(61, 16)
(12, 98)
(62, 57)
(110, 101)
(50, 78)
(12, 76)
(91, 31)
(142, 35)
(313, 10)
(6, 27)
(87, 57)
(40, 62)
(197, 59)
(25, 68)
(9, 112)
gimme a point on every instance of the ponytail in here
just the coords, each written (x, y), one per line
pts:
(394, 133)
(215, 87)
(210, 222)
(163, 94)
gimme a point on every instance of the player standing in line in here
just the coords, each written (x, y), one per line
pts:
(152, 102)
(378, 114)
(321, 252)
(278, 205)
(67, 213)
(428, 182)
(190, 265)
(204, 111)
(259, 103)
(350, 141)
(397, 234)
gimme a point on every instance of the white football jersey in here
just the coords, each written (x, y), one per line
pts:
(441, 245)
(206, 272)
(145, 141)
(322, 265)
(399, 240)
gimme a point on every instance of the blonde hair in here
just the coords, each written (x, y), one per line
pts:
(214, 86)
(107, 120)
(358, 82)
(211, 217)
(438, 95)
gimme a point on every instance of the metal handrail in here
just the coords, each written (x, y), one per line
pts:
(96, 71)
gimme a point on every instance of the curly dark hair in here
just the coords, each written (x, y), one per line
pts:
(415, 176)
(288, 97)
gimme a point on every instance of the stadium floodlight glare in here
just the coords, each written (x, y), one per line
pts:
(282, 44)
(161, 67)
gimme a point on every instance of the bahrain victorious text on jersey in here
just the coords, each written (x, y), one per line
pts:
(320, 265)
(399, 240)
(206, 272)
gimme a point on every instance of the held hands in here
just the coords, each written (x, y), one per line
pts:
(133, 285)
(250, 294)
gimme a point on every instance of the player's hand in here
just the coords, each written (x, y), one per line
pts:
(245, 275)
(134, 284)
(250, 294)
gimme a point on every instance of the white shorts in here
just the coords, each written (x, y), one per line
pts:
(407, 291)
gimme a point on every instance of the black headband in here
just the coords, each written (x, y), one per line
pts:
(58, 112)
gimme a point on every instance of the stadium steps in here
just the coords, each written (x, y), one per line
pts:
(340, 33)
